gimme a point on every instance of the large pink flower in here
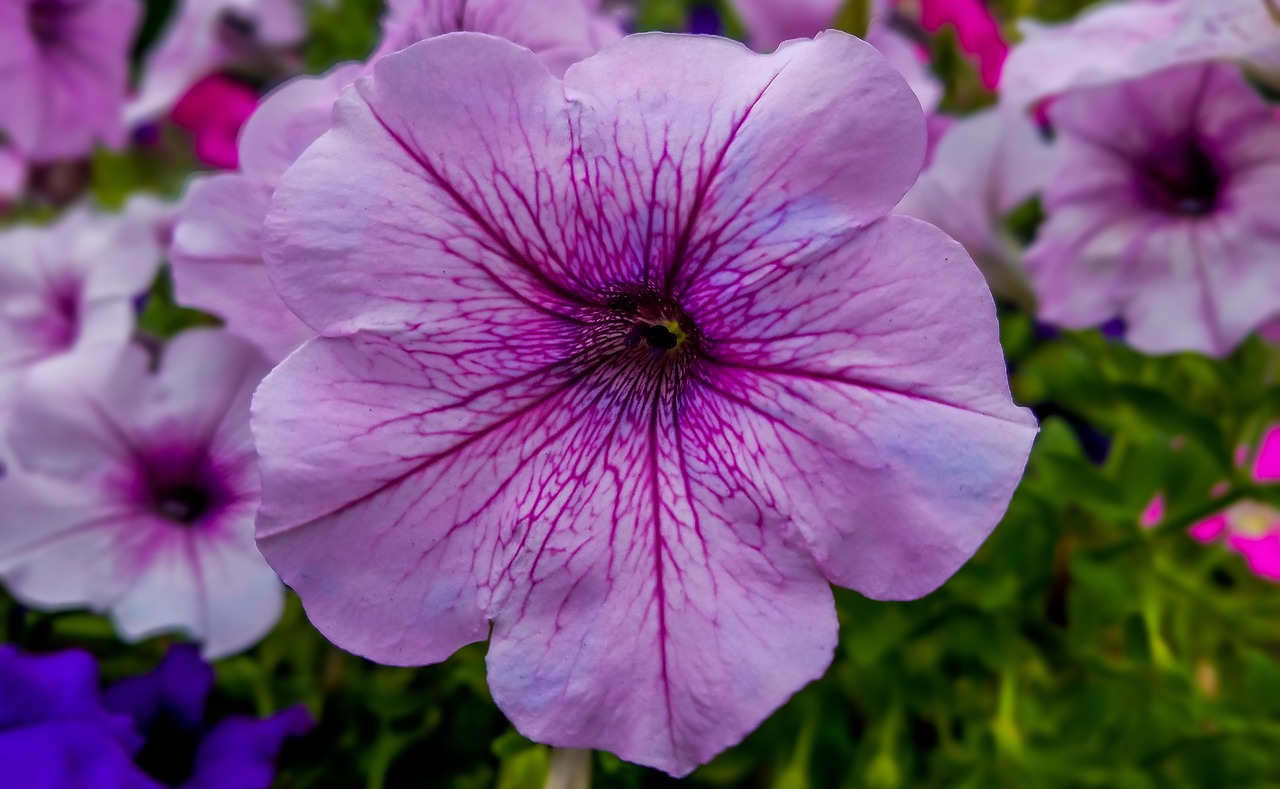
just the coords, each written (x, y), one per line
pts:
(1162, 210)
(206, 36)
(629, 365)
(1125, 40)
(67, 291)
(138, 496)
(217, 257)
(64, 69)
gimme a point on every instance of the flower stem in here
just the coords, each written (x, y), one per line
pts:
(570, 768)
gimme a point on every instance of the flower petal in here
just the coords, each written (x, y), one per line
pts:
(679, 188)
(880, 400)
(217, 263)
(654, 607)
(241, 752)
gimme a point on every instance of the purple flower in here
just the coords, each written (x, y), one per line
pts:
(55, 732)
(1118, 41)
(207, 36)
(985, 166)
(137, 495)
(66, 293)
(1161, 210)
(64, 68)
(181, 748)
(629, 365)
(217, 258)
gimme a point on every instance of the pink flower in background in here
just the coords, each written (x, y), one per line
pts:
(217, 259)
(208, 36)
(1126, 40)
(1162, 210)
(1249, 528)
(136, 496)
(985, 166)
(976, 29)
(214, 110)
(13, 173)
(770, 22)
(627, 368)
(64, 69)
(67, 291)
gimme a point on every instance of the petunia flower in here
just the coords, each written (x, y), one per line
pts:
(217, 258)
(67, 292)
(64, 69)
(620, 372)
(208, 36)
(214, 110)
(182, 747)
(1250, 528)
(1160, 210)
(770, 22)
(55, 732)
(985, 166)
(137, 496)
(1119, 41)
(977, 32)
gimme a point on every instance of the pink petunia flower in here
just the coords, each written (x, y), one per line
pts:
(1249, 528)
(64, 69)
(67, 291)
(137, 496)
(770, 22)
(1119, 41)
(985, 166)
(214, 111)
(1161, 211)
(977, 31)
(630, 365)
(207, 36)
(217, 258)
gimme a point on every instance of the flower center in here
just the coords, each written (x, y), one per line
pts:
(1252, 519)
(46, 19)
(1182, 180)
(639, 339)
(182, 503)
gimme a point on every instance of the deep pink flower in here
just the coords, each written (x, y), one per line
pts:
(630, 366)
(67, 292)
(217, 258)
(64, 69)
(770, 22)
(137, 496)
(985, 166)
(1126, 40)
(1161, 210)
(1250, 528)
(207, 36)
(976, 29)
(214, 110)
